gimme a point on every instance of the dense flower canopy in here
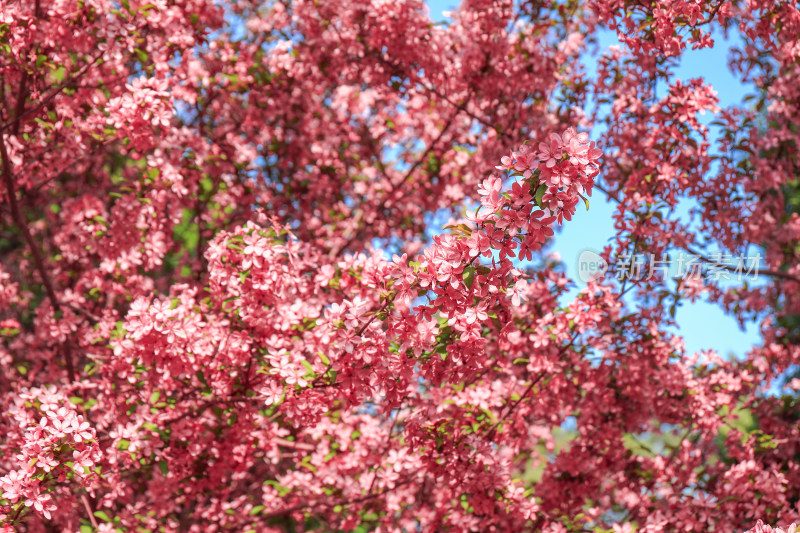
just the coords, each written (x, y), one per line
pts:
(224, 304)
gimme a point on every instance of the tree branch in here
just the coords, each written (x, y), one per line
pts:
(21, 223)
(15, 123)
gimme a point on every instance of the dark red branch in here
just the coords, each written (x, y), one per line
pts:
(22, 224)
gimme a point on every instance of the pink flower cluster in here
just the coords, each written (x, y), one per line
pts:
(146, 104)
(57, 447)
(221, 308)
(761, 527)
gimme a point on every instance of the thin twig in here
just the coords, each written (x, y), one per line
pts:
(341, 503)
(89, 510)
(405, 178)
(386, 446)
(64, 85)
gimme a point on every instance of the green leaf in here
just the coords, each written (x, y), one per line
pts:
(540, 194)
(187, 232)
(59, 73)
(146, 8)
(459, 229)
(309, 368)
(256, 510)
(469, 276)
(102, 516)
(282, 491)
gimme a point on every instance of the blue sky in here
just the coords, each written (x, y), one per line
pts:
(702, 325)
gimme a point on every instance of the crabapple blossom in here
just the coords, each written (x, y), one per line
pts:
(227, 302)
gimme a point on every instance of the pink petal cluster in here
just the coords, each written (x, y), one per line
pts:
(53, 444)
(226, 303)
